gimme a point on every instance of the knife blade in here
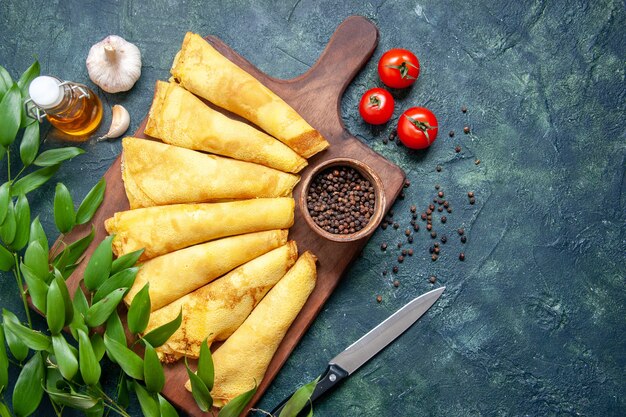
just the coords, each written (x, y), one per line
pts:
(361, 351)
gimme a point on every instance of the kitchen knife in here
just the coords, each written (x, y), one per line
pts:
(355, 355)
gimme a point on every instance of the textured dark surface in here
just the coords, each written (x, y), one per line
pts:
(532, 323)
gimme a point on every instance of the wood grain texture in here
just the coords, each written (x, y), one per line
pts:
(312, 95)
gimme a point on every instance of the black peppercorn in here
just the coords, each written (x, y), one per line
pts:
(396, 225)
(396, 283)
(395, 269)
(466, 130)
(461, 256)
(463, 239)
(470, 194)
(460, 231)
(379, 298)
(451, 133)
(434, 257)
(433, 234)
(383, 246)
(407, 232)
(444, 239)
(432, 279)
(457, 149)
(438, 168)
(472, 200)
(444, 219)
(400, 258)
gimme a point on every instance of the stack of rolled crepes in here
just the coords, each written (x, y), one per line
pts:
(210, 204)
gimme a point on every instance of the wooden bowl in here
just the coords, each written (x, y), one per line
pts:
(379, 204)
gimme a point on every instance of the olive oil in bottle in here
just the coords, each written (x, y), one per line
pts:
(70, 107)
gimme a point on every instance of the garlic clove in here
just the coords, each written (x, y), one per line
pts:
(120, 120)
(114, 64)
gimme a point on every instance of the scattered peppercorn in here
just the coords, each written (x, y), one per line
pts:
(436, 250)
(385, 141)
(396, 283)
(477, 162)
(437, 186)
(451, 133)
(472, 200)
(434, 257)
(409, 239)
(436, 245)
(440, 194)
(416, 227)
(384, 225)
(407, 183)
(466, 130)
(410, 252)
(384, 273)
(431, 249)
(440, 201)
(429, 227)
(433, 234)
(383, 246)
(457, 149)
(444, 219)
(446, 204)
(470, 194)
(340, 200)
(414, 216)
(413, 209)
(438, 168)
(449, 210)
(439, 209)
(404, 252)
(429, 217)
(444, 239)
(379, 298)
(431, 207)
(399, 245)
(423, 216)
(464, 109)
(463, 239)
(461, 256)
(402, 195)
(400, 258)
(432, 279)
(434, 200)
(407, 232)
(395, 269)
(460, 231)
(396, 225)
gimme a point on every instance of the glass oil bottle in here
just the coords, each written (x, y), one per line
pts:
(70, 107)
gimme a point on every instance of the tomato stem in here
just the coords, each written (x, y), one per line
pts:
(374, 100)
(422, 126)
(404, 69)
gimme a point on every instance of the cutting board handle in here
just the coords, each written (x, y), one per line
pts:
(348, 49)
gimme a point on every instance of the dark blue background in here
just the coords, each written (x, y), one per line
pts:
(532, 323)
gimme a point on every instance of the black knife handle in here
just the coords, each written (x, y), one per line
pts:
(333, 375)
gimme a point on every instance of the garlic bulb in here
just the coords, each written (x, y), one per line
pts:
(120, 120)
(114, 64)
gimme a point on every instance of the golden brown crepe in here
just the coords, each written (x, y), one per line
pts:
(163, 229)
(244, 357)
(199, 68)
(216, 310)
(178, 273)
(179, 118)
(157, 174)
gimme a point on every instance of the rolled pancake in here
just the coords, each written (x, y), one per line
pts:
(179, 118)
(216, 310)
(163, 229)
(158, 174)
(178, 273)
(201, 69)
(244, 357)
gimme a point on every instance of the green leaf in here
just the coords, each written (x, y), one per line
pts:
(4, 410)
(100, 311)
(205, 365)
(29, 75)
(147, 402)
(89, 366)
(37, 234)
(17, 347)
(78, 323)
(115, 330)
(37, 288)
(36, 259)
(152, 370)
(73, 252)
(123, 396)
(167, 409)
(236, 406)
(33, 180)
(299, 400)
(56, 156)
(10, 115)
(22, 223)
(4, 362)
(67, 300)
(139, 311)
(55, 311)
(91, 202)
(80, 301)
(160, 335)
(5, 198)
(5, 81)
(6, 259)
(73, 399)
(29, 387)
(9, 226)
(99, 265)
(64, 215)
(29, 146)
(95, 411)
(125, 261)
(199, 390)
(123, 279)
(128, 360)
(97, 343)
(68, 364)
(31, 338)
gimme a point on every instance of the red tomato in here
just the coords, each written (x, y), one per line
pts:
(398, 68)
(417, 128)
(376, 106)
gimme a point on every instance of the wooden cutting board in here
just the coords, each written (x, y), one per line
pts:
(316, 95)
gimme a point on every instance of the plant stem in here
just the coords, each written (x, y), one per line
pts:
(109, 402)
(20, 285)
(19, 173)
(58, 412)
(8, 165)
